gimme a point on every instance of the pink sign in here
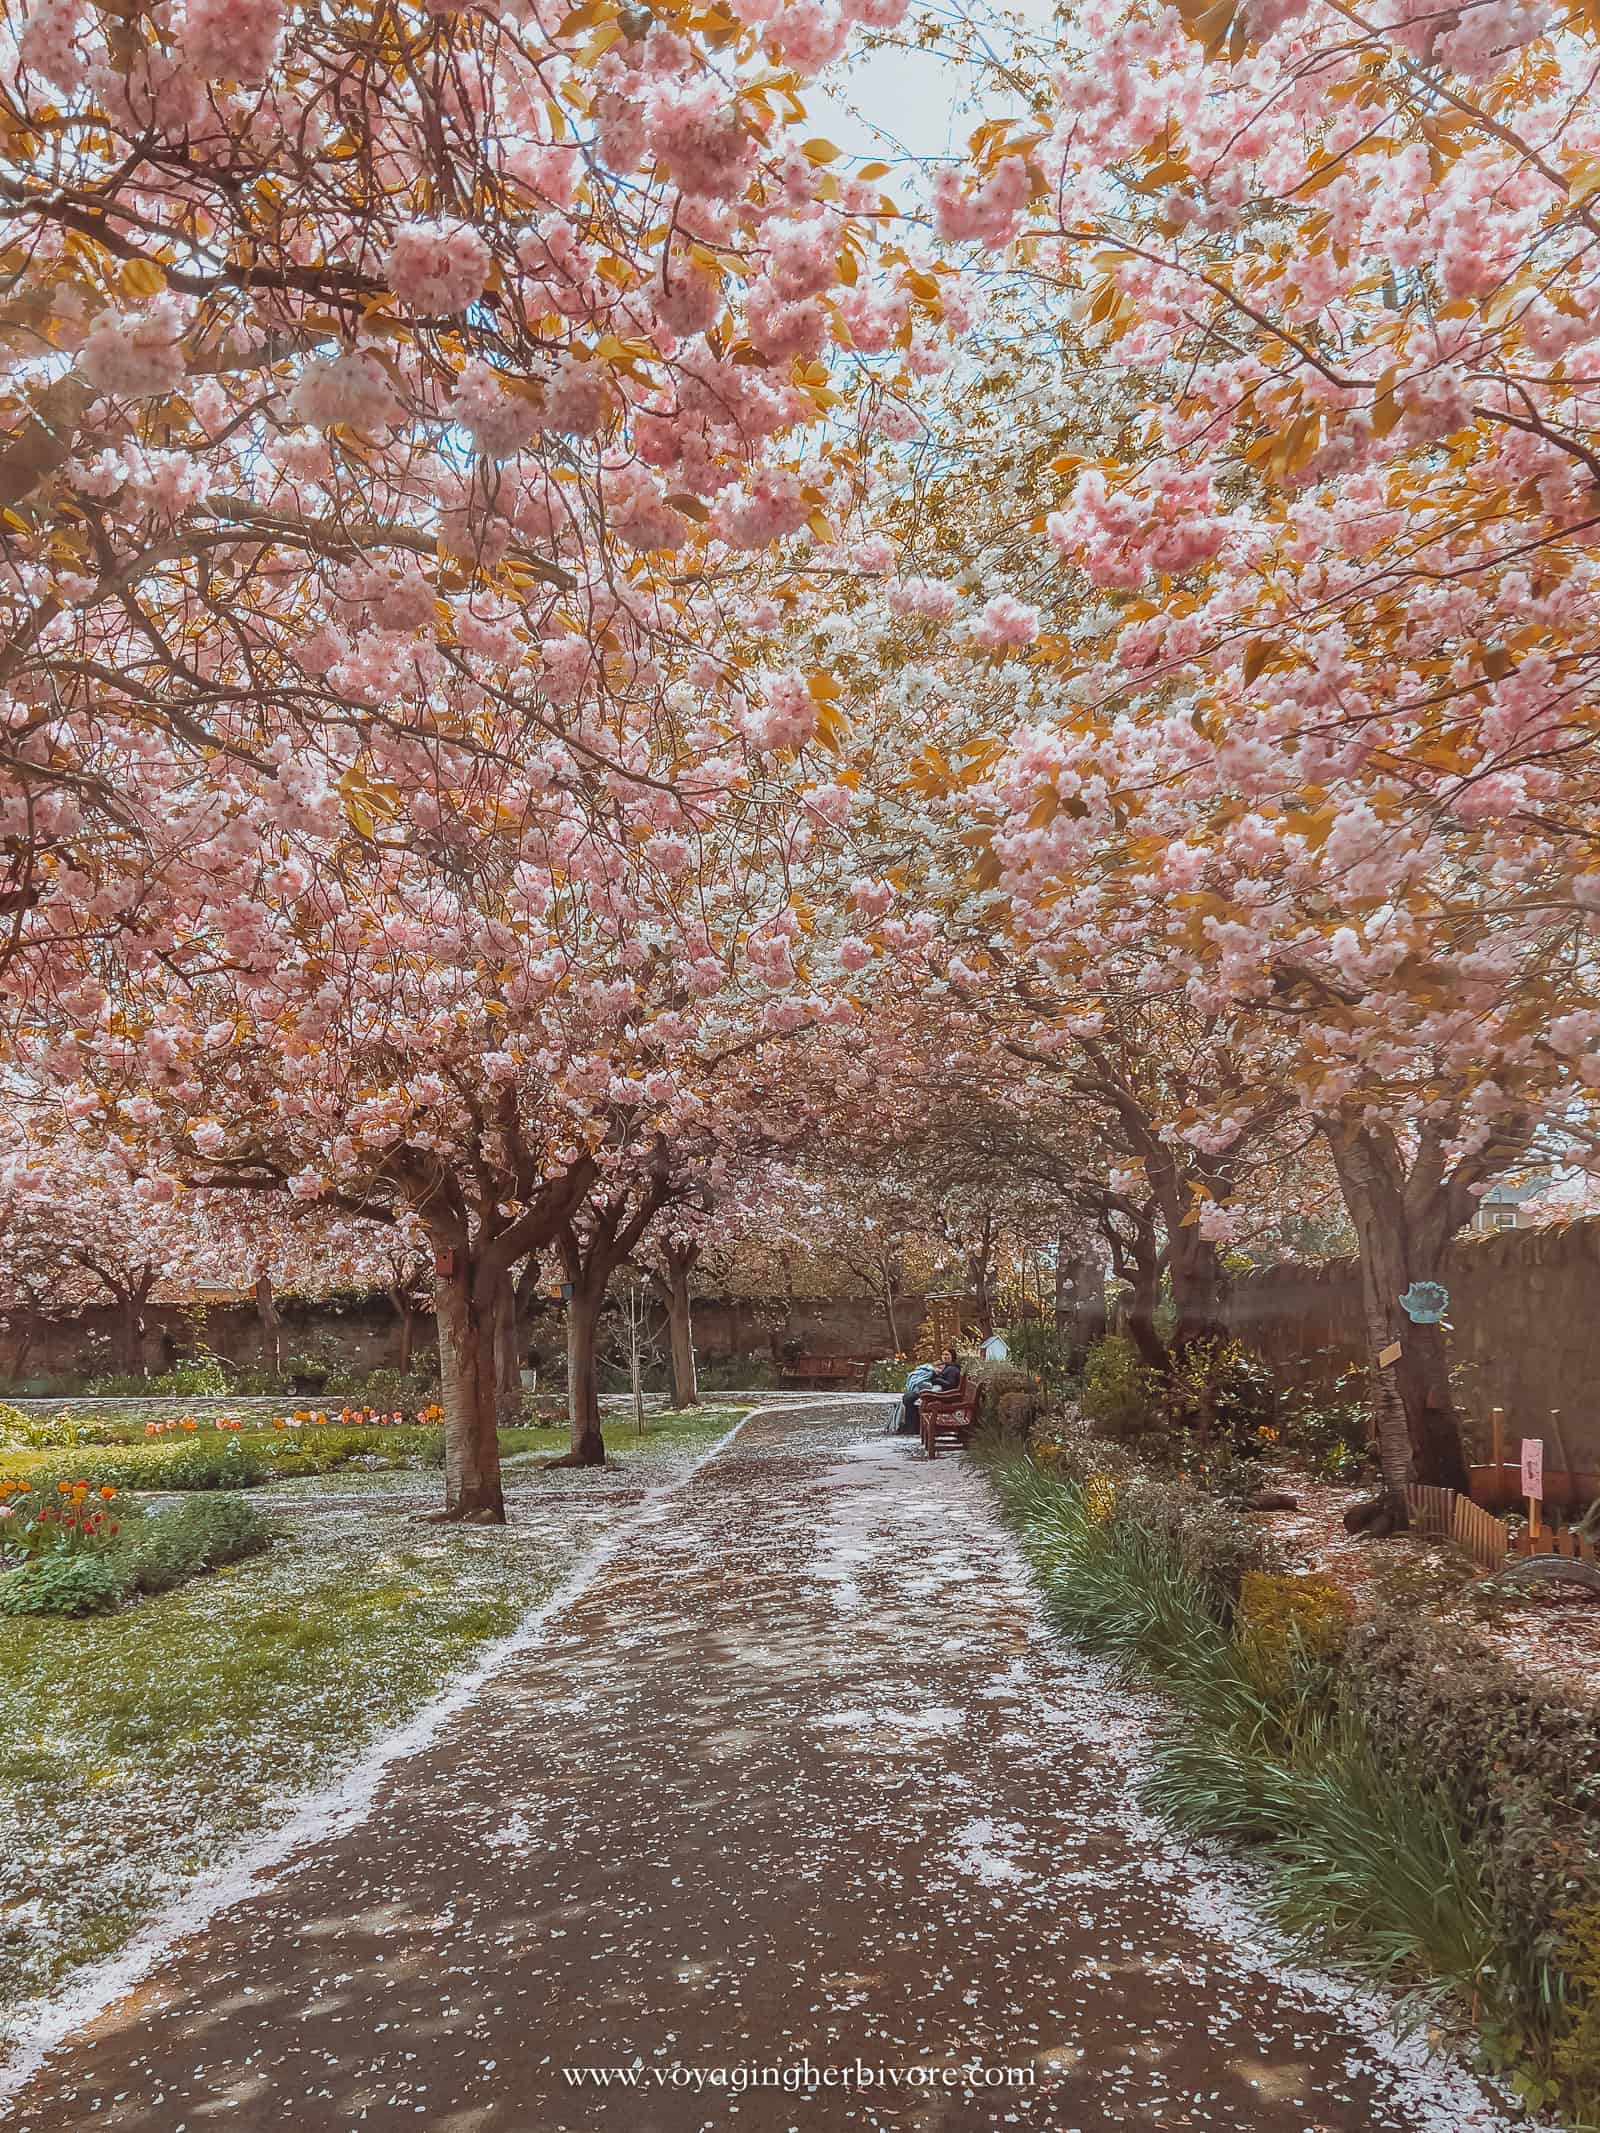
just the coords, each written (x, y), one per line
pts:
(1533, 1468)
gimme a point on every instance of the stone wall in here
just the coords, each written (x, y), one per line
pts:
(364, 1328)
(1525, 1320)
(367, 1331)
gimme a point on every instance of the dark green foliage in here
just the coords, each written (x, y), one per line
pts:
(208, 1461)
(200, 1377)
(145, 1553)
(1120, 1395)
(732, 1373)
(62, 1585)
(192, 1537)
(1521, 1758)
(1329, 1426)
(389, 1391)
(1220, 1389)
(1045, 1352)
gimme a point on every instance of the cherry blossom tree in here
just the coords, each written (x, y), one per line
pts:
(387, 406)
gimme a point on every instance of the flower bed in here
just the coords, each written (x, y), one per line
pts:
(75, 1549)
(299, 1418)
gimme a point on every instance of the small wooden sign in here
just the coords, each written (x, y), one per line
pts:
(1388, 1355)
(1533, 1469)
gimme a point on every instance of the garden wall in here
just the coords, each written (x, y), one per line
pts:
(1525, 1319)
(367, 1332)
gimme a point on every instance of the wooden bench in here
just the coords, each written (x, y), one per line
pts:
(949, 1416)
(820, 1373)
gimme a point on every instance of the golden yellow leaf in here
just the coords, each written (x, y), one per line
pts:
(600, 43)
(142, 277)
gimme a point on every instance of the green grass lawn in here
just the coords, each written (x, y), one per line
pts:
(139, 1748)
(208, 1457)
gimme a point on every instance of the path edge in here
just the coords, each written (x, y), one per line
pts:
(330, 1811)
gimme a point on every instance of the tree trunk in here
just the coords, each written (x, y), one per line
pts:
(1418, 1432)
(889, 1296)
(1080, 1304)
(980, 1265)
(271, 1324)
(1145, 1291)
(673, 1284)
(583, 1373)
(408, 1328)
(128, 1337)
(1194, 1266)
(24, 1334)
(508, 1355)
(466, 1300)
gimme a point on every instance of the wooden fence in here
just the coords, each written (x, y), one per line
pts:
(1440, 1514)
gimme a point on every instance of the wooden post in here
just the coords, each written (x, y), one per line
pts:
(1561, 1449)
(1497, 1437)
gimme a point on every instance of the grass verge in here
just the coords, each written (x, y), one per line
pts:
(140, 1748)
(1373, 1858)
(211, 1458)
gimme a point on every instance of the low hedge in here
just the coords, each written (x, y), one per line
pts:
(177, 1544)
(206, 1461)
(244, 1459)
(152, 1552)
(225, 1459)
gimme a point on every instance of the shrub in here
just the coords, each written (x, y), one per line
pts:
(1522, 1755)
(726, 1373)
(1219, 1388)
(203, 1462)
(1141, 1570)
(1210, 1539)
(39, 1432)
(1045, 1351)
(60, 1584)
(1011, 1398)
(1330, 1427)
(1577, 2051)
(388, 1390)
(1399, 1798)
(201, 1377)
(195, 1536)
(1120, 1390)
(1286, 1623)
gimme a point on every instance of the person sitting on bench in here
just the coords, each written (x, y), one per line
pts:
(946, 1377)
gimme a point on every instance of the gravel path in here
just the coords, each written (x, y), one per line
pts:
(789, 1789)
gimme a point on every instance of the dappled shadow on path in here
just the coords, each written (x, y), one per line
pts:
(795, 1780)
